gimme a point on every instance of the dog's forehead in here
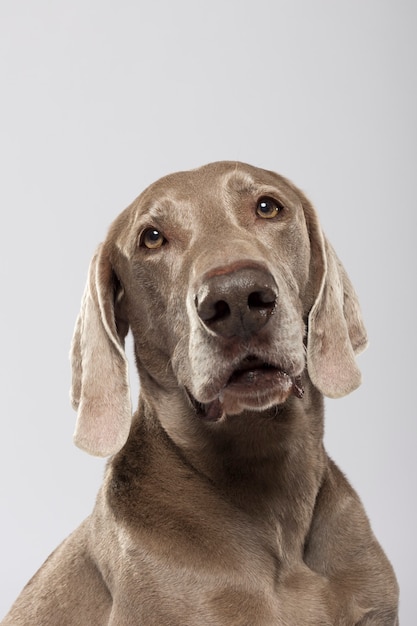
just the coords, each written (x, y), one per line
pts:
(208, 187)
(215, 178)
(212, 187)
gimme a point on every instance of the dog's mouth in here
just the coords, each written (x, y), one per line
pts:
(253, 384)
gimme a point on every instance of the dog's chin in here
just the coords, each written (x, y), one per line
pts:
(255, 389)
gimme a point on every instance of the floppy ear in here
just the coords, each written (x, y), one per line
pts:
(336, 332)
(100, 386)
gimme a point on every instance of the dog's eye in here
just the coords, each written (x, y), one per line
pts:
(268, 208)
(152, 238)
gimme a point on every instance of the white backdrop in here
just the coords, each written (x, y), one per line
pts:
(100, 98)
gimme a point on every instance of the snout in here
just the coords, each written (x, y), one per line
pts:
(236, 302)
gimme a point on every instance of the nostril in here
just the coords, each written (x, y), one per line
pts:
(212, 311)
(221, 311)
(262, 300)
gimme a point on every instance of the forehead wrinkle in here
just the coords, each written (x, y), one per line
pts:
(160, 212)
(234, 186)
(242, 185)
(238, 183)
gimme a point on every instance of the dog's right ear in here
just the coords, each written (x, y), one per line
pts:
(100, 385)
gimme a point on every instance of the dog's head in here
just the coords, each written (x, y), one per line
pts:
(230, 289)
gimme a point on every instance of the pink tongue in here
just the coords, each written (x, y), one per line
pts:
(297, 388)
(213, 411)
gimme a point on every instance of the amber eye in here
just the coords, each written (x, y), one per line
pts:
(152, 238)
(268, 208)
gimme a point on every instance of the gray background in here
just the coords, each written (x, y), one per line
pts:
(100, 98)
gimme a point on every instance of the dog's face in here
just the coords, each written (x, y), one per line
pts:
(216, 285)
(219, 272)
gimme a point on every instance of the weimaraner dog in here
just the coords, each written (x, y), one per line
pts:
(220, 506)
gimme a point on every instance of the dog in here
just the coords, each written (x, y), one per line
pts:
(219, 506)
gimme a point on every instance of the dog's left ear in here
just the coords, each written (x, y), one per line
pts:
(100, 384)
(336, 333)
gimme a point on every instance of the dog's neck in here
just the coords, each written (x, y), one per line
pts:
(248, 458)
(265, 468)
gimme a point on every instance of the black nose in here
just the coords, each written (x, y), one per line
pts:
(237, 303)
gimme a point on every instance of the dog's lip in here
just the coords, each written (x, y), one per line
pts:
(252, 368)
(251, 374)
(254, 374)
(249, 368)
